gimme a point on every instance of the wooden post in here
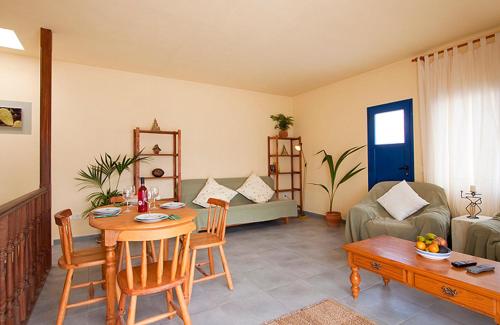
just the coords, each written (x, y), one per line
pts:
(45, 104)
(45, 140)
(178, 158)
(137, 148)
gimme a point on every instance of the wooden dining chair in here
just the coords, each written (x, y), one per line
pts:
(168, 273)
(151, 248)
(213, 237)
(75, 259)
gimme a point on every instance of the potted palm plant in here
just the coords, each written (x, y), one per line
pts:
(104, 177)
(334, 217)
(283, 123)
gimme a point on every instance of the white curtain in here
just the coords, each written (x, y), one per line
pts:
(459, 94)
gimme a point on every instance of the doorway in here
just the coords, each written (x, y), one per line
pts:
(390, 142)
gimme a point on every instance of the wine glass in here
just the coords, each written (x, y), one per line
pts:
(155, 191)
(150, 196)
(127, 193)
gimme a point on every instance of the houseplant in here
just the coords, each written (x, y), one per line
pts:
(334, 217)
(283, 123)
(104, 177)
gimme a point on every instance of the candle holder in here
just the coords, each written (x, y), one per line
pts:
(473, 208)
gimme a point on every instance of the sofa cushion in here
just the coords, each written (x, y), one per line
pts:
(212, 189)
(256, 190)
(191, 188)
(401, 201)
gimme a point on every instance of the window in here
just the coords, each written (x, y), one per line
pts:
(390, 127)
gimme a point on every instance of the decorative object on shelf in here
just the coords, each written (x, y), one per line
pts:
(101, 174)
(334, 218)
(475, 200)
(300, 149)
(169, 160)
(156, 149)
(158, 172)
(155, 126)
(283, 123)
(291, 187)
(283, 151)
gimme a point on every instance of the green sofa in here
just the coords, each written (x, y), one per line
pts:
(241, 210)
(483, 239)
(369, 219)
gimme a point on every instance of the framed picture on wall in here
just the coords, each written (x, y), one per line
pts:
(15, 117)
(11, 117)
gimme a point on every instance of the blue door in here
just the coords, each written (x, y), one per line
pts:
(390, 142)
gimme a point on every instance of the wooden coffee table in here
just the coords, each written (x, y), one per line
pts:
(396, 259)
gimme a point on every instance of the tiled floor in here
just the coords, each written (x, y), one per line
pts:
(276, 269)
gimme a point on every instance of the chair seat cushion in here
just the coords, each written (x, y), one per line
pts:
(151, 284)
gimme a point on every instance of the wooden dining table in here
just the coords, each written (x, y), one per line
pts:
(112, 226)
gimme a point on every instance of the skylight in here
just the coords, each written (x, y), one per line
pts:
(8, 38)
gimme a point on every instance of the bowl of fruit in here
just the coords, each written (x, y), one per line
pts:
(432, 247)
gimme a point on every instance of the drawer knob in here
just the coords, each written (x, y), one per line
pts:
(449, 291)
(376, 265)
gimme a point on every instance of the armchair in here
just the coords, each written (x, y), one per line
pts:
(369, 219)
(483, 239)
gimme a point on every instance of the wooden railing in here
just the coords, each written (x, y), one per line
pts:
(25, 254)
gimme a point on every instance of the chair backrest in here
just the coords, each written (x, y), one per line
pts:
(63, 222)
(216, 218)
(178, 259)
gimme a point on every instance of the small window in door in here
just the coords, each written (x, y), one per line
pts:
(390, 127)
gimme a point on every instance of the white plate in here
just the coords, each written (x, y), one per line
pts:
(172, 205)
(433, 256)
(106, 211)
(151, 217)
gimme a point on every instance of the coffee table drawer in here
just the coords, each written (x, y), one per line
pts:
(457, 295)
(383, 269)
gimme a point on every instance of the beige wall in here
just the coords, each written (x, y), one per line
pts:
(224, 130)
(334, 118)
(19, 153)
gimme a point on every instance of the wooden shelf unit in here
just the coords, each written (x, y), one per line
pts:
(274, 145)
(175, 166)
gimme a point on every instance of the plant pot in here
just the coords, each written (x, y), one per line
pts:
(283, 134)
(333, 218)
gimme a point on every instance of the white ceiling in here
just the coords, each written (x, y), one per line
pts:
(277, 46)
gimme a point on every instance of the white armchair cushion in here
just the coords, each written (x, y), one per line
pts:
(401, 201)
(212, 189)
(256, 190)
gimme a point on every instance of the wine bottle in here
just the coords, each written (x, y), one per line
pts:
(142, 197)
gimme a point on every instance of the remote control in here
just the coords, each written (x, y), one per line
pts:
(480, 268)
(463, 263)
